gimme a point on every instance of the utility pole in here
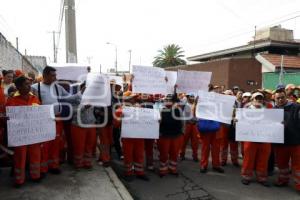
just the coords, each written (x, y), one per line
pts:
(129, 66)
(54, 48)
(100, 68)
(54, 45)
(70, 27)
(116, 60)
(17, 43)
(89, 58)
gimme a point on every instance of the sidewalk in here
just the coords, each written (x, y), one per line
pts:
(96, 184)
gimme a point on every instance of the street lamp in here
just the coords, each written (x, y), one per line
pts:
(116, 61)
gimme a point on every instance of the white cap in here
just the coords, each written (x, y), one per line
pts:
(247, 94)
(256, 94)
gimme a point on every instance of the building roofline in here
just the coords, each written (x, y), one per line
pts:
(243, 48)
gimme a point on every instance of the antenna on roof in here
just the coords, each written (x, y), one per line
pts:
(281, 75)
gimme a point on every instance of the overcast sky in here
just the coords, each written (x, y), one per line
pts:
(143, 26)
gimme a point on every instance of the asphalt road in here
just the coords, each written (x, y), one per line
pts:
(192, 185)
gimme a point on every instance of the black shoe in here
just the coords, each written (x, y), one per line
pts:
(18, 186)
(203, 170)
(43, 175)
(265, 183)
(88, 167)
(195, 159)
(280, 184)
(271, 173)
(245, 181)
(236, 164)
(182, 157)
(174, 174)
(162, 175)
(218, 169)
(38, 180)
(143, 177)
(55, 171)
(128, 178)
(223, 164)
(106, 164)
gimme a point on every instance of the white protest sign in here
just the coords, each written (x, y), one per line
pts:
(260, 125)
(214, 106)
(97, 92)
(192, 81)
(172, 78)
(30, 125)
(73, 73)
(140, 123)
(149, 80)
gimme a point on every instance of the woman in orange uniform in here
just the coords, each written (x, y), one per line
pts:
(25, 98)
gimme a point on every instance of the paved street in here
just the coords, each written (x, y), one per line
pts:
(192, 185)
(96, 184)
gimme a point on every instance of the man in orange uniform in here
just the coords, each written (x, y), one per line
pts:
(170, 136)
(2, 113)
(24, 98)
(133, 148)
(289, 152)
(104, 118)
(50, 93)
(191, 131)
(226, 141)
(83, 138)
(256, 154)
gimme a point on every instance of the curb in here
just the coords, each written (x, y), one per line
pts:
(121, 189)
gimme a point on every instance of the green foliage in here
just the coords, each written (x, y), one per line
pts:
(171, 55)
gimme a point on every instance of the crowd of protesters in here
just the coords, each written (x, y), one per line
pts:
(78, 145)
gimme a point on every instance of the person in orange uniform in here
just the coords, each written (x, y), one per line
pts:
(210, 137)
(83, 134)
(24, 98)
(289, 152)
(226, 141)
(50, 93)
(256, 155)
(133, 148)
(171, 136)
(191, 132)
(2, 113)
(104, 118)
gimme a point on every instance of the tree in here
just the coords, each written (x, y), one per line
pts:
(171, 55)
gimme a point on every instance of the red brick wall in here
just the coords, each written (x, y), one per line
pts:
(243, 70)
(230, 72)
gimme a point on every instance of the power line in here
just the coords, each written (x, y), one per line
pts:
(250, 31)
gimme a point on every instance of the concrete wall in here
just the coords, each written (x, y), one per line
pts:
(11, 58)
(39, 62)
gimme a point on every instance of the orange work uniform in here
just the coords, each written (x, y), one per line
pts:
(32, 151)
(256, 156)
(225, 143)
(51, 150)
(83, 142)
(170, 140)
(191, 133)
(210, 143)
(2, 112)
(133, 151)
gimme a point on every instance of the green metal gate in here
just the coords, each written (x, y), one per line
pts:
(271, 80)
